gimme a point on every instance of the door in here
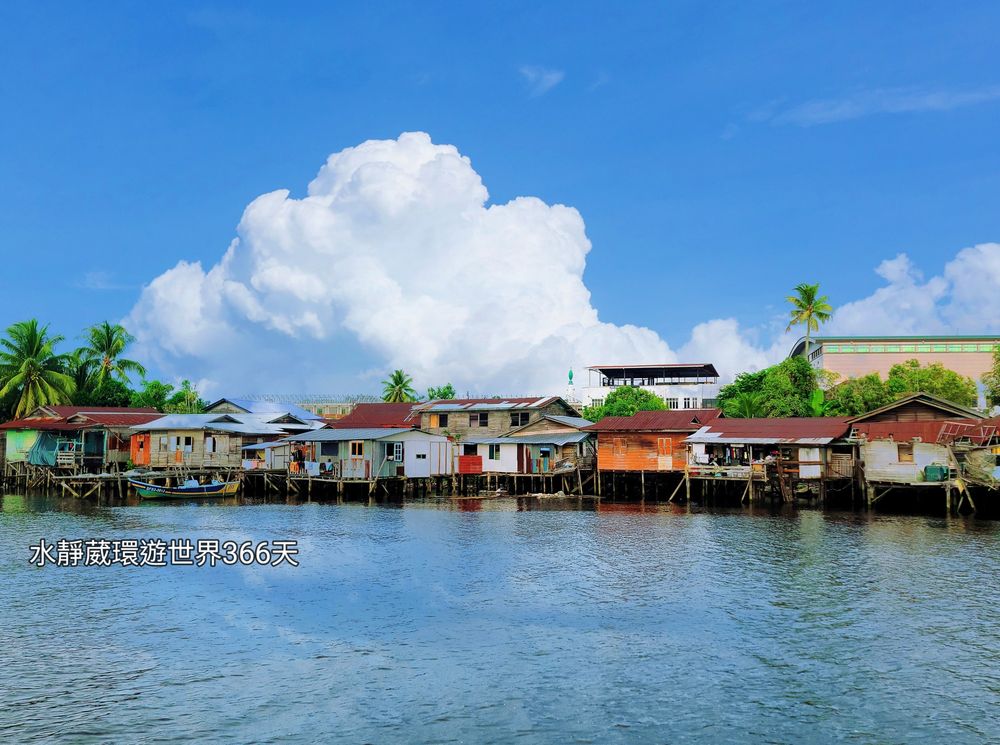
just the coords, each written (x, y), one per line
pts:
(417, 459)
(544, 459)
(664, 453)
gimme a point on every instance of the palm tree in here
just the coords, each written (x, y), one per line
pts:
(745, 405)
(80, 369)
(106, 343)
(808, 310)
(31, 369)
(398, 388)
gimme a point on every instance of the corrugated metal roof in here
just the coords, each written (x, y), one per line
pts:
(570, 421)
(340, 435)
(926, 430)
(367, 415)
(250, 424)
(675, 420)
(267, 445)
(484, 404)
(67, 410)
(88, 419)
(554, 438)
(768, 431)
(265, 407)
(928, 400)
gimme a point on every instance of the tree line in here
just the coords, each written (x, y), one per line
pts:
(34, 372)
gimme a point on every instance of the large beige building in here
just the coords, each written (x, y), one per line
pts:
(854, 356)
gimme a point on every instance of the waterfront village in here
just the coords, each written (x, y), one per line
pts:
(685, 438)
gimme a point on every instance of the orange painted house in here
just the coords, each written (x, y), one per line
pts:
(647, 440)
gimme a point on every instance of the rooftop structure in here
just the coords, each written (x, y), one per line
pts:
(680, 385)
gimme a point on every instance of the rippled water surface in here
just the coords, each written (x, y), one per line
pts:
(505, 621)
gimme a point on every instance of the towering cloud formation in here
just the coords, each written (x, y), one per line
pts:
(394, 260)
(395, 245)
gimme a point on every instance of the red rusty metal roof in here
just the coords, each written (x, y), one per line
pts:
(87, 416)
(73, 410)
(680, 420)
(777, 429)
(927, 430)
(368, 415)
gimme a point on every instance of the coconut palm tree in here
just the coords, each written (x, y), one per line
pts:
(745, 405)
(31, 370)
(808, 309)
(106, 343)
(398, 388)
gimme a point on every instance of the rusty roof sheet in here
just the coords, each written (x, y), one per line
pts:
(68, 411)
(777, 430)
(85, 419)
(367, 415)
(926, 430)
(445, 406)
(677, 420)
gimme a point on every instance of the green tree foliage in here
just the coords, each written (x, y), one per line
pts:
(398, 388)
(446, 391)
(744, 405)
(991, 380)
(185, 401)
(785, 389)
(154, 395)
(809, 309)
(109, 393)
(106, 343)
(31, 370)
(857, 396)
(625, 401)
(910, 377)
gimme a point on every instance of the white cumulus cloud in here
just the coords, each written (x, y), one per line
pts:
(395, 248)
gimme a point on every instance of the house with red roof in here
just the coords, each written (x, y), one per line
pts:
(378, 414)
(647, 440)
(89, 438)
(911, 441)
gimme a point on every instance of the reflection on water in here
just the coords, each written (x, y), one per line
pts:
(553, 620)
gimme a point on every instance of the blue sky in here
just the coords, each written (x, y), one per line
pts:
(718, 153)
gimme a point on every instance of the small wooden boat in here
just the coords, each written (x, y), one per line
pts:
(190, 488)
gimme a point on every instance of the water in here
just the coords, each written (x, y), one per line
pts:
(434, 623)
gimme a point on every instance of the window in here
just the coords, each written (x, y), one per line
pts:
(357, 448)
(909, 348)
(469, 450)
(329, 449)
(847, 348)
(690, 403)
(421, 456)
(142, 444)
(164, 442)
(968, 347)
(923, 347)
(519, 418)
(175, 443)
(209, 444)
(892, 348)
(394, 451)
(188, 444)
(905, 450)
(494, 452)
(878, 348)
(664, 446)
(618, 446)
(482, 419)
(861, 348)
(953, 348)
(439, 420)
(985, 347)
(833, 348)
(672, 403)
(597, 402)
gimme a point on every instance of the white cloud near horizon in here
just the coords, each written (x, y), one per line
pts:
(541, 80)
(875, 101)
(394, 258)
